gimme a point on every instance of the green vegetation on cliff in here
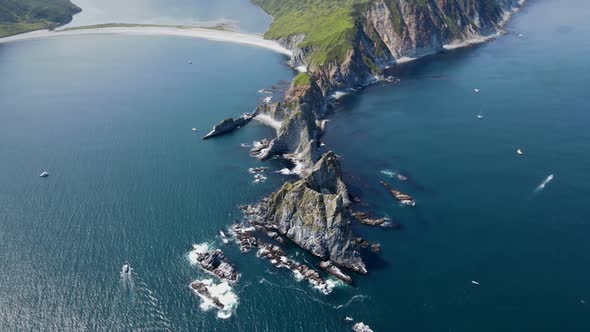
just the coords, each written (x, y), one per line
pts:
(331, 27)
(328, 25)
(301, 80)
(17, 16)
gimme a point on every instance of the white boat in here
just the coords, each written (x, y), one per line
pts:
(519, 152)
(190, 62)
(476, 90)
(44, 174)
(520, 35)
(194, 129)
(479, 116)
(475, 282)
(126, 268)
(261, 91)
(348, 319)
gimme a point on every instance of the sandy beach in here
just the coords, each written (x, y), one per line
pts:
(202, 33)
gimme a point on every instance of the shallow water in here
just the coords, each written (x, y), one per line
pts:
(247, 16)
(110, 118)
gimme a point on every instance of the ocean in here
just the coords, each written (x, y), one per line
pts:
(110, 118)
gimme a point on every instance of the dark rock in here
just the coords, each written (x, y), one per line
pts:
(229, 125)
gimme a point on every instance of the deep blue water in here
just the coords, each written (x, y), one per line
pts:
(110, 117)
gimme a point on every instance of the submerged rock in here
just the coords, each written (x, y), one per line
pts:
(202, 289)
(404, 199)
(366, 219)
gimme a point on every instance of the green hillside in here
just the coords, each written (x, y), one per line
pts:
(17, 16)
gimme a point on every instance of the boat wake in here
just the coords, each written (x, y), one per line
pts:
(146, 303)
(544, 183)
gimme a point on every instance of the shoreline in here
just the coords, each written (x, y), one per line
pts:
(199, 33)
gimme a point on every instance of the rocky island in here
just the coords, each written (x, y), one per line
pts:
(341, 45)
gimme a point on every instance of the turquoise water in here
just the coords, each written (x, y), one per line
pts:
(110, 118)
(249, 17)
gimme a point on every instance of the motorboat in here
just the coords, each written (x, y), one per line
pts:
(479, 116)
(126, 268)
(476, 90)
(519, 152)
(44, 174)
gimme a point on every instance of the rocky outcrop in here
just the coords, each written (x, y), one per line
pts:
(312, 213)
(335, 271)
(229, 125)
(215, 263)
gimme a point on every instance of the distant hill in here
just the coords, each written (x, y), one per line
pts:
(17, 16)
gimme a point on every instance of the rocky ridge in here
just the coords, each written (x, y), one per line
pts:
(313, 211)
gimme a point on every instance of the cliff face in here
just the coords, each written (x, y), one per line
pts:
(312, 212)
(387, 31)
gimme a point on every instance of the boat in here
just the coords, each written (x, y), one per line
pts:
(475, 282)
(476, 90)
(126, 268)
(479, 116)
(44, 174)
(401, 177)
(194, 129)
(519, 152)
(190, 62)
(520, 35)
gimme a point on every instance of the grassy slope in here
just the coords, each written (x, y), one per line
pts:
(328, 25)
(17, 16)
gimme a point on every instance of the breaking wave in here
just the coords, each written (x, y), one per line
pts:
(224, 293)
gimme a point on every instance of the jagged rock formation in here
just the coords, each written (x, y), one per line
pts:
(347, 51)
(312, 213)
(229, 125)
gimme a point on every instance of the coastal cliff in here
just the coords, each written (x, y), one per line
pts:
(338, 45)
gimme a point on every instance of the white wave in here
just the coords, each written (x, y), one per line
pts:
(544, 183)
(268, 120)
(389, 173)
(298, 276)
(224, 293)
(198, 249)
(352, 299)
(405, 59)
(284, 171)
(338, 94)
